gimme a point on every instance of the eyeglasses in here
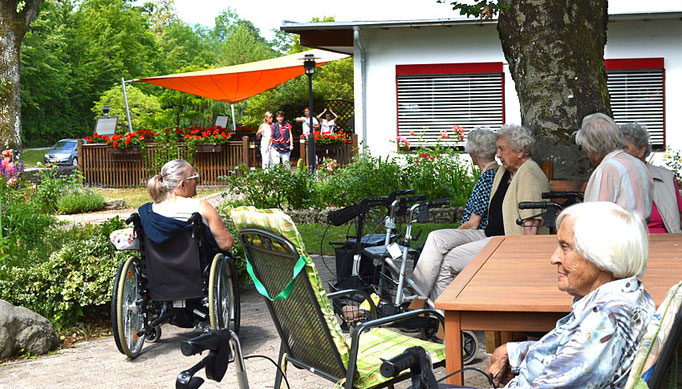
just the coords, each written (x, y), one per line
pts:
(193, 177)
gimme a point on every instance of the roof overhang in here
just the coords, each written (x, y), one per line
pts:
(338, 36)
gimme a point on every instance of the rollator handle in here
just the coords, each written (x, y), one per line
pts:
(418, 361)
(210, 341)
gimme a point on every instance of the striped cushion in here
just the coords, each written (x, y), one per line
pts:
(652, 342)
(383, 343)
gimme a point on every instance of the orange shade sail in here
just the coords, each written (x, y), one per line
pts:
(236, 83)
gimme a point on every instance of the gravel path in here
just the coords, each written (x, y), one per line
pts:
(98, 364)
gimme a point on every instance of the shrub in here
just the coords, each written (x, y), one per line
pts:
(78, 273)
(80, 201)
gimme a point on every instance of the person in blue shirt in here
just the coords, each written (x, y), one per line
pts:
(602, 250)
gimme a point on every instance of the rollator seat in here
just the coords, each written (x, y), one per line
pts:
(377, 253)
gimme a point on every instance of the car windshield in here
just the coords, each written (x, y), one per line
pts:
(64, 145)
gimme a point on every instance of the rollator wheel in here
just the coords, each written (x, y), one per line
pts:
(223, 294)
(469, 345)
(154, 336)
(126, 312)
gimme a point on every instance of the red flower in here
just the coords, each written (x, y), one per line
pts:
(127, 141)
(115, 143)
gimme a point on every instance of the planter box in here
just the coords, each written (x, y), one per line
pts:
(130, 151)
(209, 148)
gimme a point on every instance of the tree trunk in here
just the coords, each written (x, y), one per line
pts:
(13, 26)
(555, 51)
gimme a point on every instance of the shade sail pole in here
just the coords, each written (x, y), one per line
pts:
(234, 122)
(125, 98)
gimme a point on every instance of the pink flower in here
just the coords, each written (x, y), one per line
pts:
(12, 181)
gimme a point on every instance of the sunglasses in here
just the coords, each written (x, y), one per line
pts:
(193, 177)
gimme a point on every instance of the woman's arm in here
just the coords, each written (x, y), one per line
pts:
(335, 115)
(260, 130)
(222, 236)
(530, 226)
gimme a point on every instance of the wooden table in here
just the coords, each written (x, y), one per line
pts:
(511, 286)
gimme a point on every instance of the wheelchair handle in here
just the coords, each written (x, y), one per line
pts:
(132, 218)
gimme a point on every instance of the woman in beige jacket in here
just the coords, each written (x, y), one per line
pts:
(446, 252)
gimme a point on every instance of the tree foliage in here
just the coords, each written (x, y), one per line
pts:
(77, 51)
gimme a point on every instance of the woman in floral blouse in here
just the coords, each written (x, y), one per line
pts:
(602, 250)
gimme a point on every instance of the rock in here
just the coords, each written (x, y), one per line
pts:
(24, 331)
(114, 204)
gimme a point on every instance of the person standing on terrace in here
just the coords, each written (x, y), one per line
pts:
(265, 132)
(281, 142)
(328, 123)
(305, 122)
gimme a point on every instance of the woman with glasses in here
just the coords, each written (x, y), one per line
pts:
(173, 190)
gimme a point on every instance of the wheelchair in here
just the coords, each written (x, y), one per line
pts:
(178, 281)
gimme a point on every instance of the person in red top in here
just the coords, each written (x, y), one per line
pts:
(281, 141)
(666, 211)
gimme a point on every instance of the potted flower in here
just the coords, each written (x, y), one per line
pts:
(209, 140)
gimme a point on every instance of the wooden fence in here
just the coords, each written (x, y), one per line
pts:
(106, 166)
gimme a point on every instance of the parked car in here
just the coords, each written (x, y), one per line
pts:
(64, 152)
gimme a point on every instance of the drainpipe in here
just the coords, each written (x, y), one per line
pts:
(363, 78)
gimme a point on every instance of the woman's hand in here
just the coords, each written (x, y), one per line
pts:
(530, 227)
(498, 368)
(473, 224)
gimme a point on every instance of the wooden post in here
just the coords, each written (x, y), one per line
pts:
(303, 148)
(80, 154)
(245, 150)
(356, 141)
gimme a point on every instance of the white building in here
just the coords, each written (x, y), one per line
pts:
(422, 76)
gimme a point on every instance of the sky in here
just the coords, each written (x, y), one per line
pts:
(269, 14)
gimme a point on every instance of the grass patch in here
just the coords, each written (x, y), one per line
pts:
(33, 156)
(312, 235)
(135, 197)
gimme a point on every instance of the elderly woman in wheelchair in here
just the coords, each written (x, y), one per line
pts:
(184, 276)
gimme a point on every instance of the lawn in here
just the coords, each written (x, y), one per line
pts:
(312, 235)
(135, 197)
(33, 156)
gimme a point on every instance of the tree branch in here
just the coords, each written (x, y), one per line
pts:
(30, 11)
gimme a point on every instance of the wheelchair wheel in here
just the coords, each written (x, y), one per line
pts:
(154, 336)
(126, 313)
(223, 294)
(469, 345)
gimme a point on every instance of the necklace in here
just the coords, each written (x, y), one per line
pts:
(491, 163)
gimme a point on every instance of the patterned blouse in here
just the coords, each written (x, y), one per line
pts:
(592, 347)
(478, 201)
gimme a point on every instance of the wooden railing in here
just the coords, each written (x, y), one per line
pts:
(106, 166)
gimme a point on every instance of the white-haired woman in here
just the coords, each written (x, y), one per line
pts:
(519, 179)
(173, 190)
(593, 346)
(619, 177)
(666, 208)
